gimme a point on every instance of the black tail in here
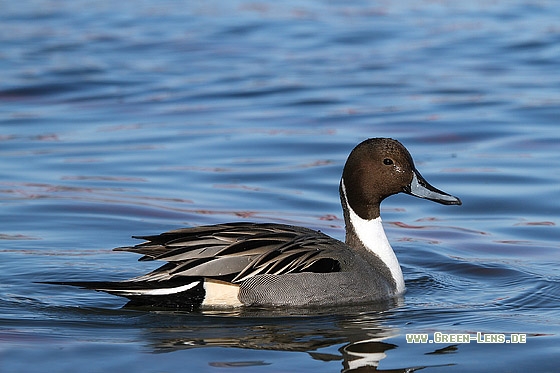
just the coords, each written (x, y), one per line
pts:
(106, 286)
(188, 293)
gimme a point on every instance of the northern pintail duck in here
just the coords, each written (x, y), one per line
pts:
(246, 264)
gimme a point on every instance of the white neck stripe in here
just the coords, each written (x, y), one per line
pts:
(372, 235)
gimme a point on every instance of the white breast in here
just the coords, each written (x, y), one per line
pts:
(372, 235)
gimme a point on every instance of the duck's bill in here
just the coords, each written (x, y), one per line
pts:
(419, 187)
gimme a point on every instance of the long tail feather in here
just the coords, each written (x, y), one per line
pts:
(188, 293)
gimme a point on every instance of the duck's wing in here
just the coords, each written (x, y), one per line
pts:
(236, 252)
(208, 265)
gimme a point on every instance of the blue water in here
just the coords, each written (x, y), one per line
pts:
(122, 118)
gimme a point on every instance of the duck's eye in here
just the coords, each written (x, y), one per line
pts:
(388, 161)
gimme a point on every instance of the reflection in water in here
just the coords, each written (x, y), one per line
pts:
(360, 338)
(354, 336)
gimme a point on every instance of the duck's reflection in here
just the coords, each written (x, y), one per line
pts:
(354, 336)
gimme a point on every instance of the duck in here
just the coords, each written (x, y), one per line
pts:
(246, 264)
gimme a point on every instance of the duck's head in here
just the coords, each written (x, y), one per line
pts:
(378, 168)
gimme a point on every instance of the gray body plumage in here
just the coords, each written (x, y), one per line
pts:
(273, 264)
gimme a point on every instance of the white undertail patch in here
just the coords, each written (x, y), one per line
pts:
(372, 235)
(221, 294)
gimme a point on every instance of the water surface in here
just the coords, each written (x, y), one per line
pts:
(140, 117)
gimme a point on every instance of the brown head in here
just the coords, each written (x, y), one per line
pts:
(378, 168)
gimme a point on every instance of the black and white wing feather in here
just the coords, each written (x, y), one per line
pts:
(237, 251)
